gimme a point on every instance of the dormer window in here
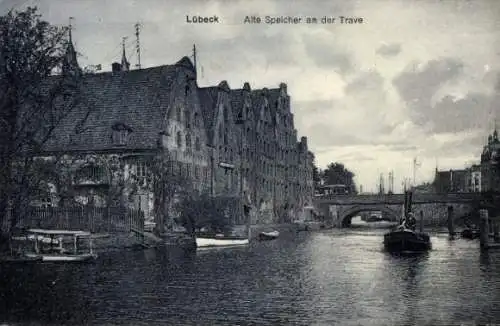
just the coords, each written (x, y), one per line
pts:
(120, 133)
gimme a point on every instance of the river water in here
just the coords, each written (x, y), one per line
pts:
(334, 277)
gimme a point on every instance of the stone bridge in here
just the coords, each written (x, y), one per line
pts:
(340, 209)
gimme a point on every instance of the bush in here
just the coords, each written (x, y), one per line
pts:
(205, 212)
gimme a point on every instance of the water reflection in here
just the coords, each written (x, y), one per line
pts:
(484, 260)
(406, 273)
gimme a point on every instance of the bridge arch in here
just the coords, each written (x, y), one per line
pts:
(346, 216)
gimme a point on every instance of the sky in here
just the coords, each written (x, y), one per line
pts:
(417, 79)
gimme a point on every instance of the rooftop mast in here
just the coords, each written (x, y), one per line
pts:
(70, 28)
(194, 57)
(138, 45)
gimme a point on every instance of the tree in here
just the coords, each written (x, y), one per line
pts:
(337, 173)
(32, 103)
(202, 211)
(166, 180)
(316, 174)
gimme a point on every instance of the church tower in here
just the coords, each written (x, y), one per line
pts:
(125, 65)
(70, 63)
(495, 134)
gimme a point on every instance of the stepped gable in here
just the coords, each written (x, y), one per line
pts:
(237, 101)
(257, 102)
(138, 99)
(208, 101)
(274, 95)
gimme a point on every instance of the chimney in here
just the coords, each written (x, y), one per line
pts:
(303, 140)
(283, 88)
(116, 67)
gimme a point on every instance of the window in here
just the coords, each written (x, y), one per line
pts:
(141, 169)
(196, 118)
(187, 117)
(226, 132)
(226, 115)
(120, 133)
(179, 139)
(178, 112)
(188, 141)
(196, 171)
(186, 90)
(221, 134)
(197, 144)
(179, 168)
(121, 137)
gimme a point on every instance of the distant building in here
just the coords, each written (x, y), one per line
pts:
(452, 181)
(490, 158)
(424, 188)
(475, 178)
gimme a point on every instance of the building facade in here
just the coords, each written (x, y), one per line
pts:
(476, 178)
(226, 142)
(456, 181)
(489, 169)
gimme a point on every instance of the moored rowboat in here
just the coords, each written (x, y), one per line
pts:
(62, 257)
(269, 235)
(220, 241)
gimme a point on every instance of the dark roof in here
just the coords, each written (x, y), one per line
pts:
(137, 99)
(208, 101)
(274, 95)
(257, 102)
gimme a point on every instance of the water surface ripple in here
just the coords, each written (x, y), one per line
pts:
(327, 278)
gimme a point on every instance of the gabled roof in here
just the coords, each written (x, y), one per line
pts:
(237, 101)
(138, 99)
(257, 102)
(274, 95)
(208, 102)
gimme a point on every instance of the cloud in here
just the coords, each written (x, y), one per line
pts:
(325, 54)
(454, 112)
(389, 50)
(419, 82)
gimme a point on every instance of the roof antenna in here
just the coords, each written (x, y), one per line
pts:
(138, 45)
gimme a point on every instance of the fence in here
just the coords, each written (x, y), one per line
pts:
(88, 218)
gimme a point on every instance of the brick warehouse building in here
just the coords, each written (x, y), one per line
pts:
(126, 115)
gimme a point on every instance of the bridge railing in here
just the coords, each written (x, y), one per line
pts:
(457, 196)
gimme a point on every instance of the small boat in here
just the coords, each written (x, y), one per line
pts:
(269, 235)
(404, 238)
(56, 251)
(61, 257)
(220, 240)
(470, 233)
(210, 240)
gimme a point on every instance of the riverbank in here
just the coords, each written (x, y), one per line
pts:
(111, 242)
